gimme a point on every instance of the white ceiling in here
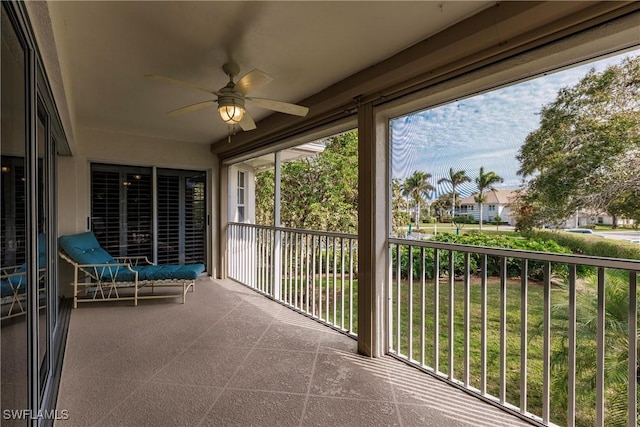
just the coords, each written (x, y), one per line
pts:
(105, 49)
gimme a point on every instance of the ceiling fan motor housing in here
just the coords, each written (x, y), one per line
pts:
(230, 105)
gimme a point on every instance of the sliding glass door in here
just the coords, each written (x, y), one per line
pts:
(30, 309)
(124, 215)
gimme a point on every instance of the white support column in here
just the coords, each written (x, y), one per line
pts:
(223, 218)
(277, 246)
(373, 226)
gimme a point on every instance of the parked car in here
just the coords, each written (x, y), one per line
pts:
(579, 230)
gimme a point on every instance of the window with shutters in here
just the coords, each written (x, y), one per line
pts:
(121, 209)
(181, 216)
(12, 210)
(241, 197)
(122, 215)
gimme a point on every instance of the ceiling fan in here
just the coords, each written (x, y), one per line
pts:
(231, 98)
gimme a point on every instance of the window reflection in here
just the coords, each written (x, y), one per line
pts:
(13, 375)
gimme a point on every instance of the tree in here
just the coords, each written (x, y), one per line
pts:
(455, 179)
(442, 205)
(398, 209)
(586, 153)
(616, 314)
(265, 190)
(418, 188)
(319, 192)
(484, 182)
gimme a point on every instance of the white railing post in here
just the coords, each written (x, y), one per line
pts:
(277, 244)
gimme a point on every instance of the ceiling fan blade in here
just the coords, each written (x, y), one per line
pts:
(179, 83)
(192, 107)
(252, 81)
(282, 107)
(247, 122)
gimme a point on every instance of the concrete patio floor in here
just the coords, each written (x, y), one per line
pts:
(232, 357)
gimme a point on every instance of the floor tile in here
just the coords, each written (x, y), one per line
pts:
(203, 365)
(157, 404)
(89, 399)
(336, 375)
(324, 411)
(255, 408)
(275, 370)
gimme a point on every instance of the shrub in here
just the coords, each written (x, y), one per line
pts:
(465, 219)
(493, 263)
(508, 242)
(588, 244)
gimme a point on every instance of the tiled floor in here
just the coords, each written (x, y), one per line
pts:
(231, 357)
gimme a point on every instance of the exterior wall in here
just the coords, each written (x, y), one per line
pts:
(250, 194)
(74, 192)
(474, 210)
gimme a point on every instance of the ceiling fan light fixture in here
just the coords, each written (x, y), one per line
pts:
(231, 110)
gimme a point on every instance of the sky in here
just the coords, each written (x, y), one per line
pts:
(484, 130)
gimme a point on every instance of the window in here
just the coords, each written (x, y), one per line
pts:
(492, 207)
(241, 197)
(121, 206)
(181, 217)
(123, 217)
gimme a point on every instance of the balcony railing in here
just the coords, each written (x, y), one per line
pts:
(312, 272)
(550, 337)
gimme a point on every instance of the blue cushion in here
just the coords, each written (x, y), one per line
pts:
(85, 249)
(42, 251)
(164, 272)
(17, 282)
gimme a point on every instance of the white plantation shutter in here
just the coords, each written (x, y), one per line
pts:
(122, 212)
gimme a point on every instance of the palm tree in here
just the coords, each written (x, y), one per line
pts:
(485, 181)
(455, 178)
(418, 187)
(616, 342)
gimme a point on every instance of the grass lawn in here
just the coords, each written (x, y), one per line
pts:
(330, 307)
(442, 227)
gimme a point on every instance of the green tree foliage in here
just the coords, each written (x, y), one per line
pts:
(586, 153)
(318, 192)
(265, 190)
(484, 182)
(418, 188)
(455, 179)
(442, 205)
(616, 349)
(400, 216)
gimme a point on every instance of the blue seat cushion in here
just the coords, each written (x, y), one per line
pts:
(17, 282)
(172, 271)
(85, 249)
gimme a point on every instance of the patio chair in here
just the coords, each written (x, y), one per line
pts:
(98, 276)
(13, 283)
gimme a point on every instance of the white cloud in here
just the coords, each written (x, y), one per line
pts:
(485, 130)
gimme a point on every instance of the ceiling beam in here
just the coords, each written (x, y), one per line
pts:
(503, 30)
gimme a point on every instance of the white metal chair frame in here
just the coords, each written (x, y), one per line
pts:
(16, 308)
(98, 282)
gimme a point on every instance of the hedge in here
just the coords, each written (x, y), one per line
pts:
(584, 244)
(493, 263)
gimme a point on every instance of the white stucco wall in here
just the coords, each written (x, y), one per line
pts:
(250, 193)
(74, 192)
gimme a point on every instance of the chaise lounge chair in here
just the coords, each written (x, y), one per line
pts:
(100, 277)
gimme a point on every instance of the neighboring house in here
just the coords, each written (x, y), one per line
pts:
(497, 204)
(582, 219)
